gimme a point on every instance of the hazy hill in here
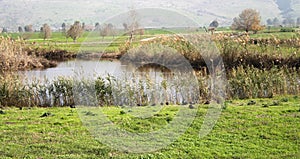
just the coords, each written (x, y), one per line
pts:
(20, 12)
(295, 8)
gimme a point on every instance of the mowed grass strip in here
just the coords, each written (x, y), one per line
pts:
(254, 128)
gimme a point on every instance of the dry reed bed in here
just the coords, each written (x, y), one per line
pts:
(14, 56)
(203, 50)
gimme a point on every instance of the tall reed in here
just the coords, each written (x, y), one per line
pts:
(142, 89)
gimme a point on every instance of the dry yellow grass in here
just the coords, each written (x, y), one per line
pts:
(13, 56)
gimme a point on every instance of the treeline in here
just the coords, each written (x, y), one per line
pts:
(288, 21)
(76, 30)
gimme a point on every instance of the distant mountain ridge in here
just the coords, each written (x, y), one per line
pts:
(285, 6)
(15, 13)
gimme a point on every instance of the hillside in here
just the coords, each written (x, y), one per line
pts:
(55, 12)
(295, 7)
(289, 8)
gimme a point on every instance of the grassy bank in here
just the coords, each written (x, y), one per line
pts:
(257, 128)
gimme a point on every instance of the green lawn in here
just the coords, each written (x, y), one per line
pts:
(88, 42)
(257, 128)
(93, 42)
(277, 34)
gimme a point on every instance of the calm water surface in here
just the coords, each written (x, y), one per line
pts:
(89, 69)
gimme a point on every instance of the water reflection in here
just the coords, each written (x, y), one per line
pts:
(83, 68)
(91, 69)
(129, 85)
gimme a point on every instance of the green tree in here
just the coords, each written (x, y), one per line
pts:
(97, 26)
(276, 22)
(214, 24)
(288, 22)
(298, 21)
(248, 20)
(63, 27)
(75, 31)
(4, 30)
(269, 21)
(20, 29)
(83, 26)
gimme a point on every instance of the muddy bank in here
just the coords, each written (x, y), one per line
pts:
(99, 55)
(38, 63)
(47, 59)
(53, 55)
(42, 58)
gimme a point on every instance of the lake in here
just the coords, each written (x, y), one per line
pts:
(91, 69)
(75, 68)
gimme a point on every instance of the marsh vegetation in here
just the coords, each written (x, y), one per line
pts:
(254, 68)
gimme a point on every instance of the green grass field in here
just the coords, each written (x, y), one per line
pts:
(92, 42)
(280, 35)
(88, 42)
(257, 128)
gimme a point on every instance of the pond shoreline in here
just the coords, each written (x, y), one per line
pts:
(99, 55)
(43, 59)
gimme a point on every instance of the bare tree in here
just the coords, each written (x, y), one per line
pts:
(104, 31)
(141, 32)
(28, 28)
(28, 32)
(111, 30)
(248, 20)
(75, 31)
(298, 21)
(107, 29)
(133, 27)
(46, 31)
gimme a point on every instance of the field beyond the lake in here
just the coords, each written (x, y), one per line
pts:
(260, 128)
